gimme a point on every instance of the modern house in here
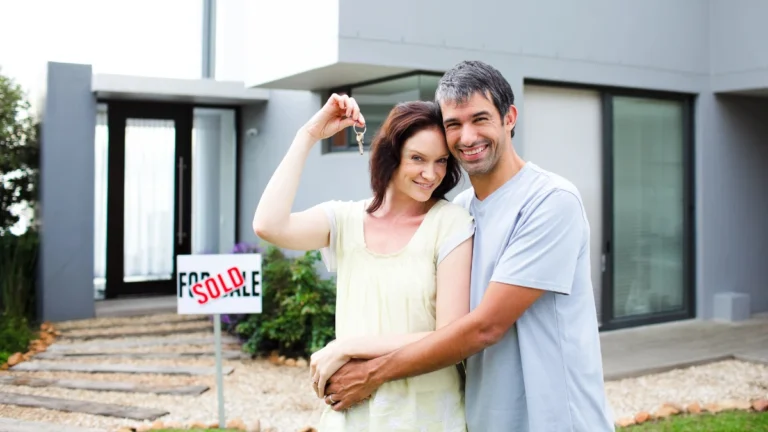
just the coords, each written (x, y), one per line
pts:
(656, 110)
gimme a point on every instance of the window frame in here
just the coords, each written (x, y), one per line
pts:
(688, 103)
(348, 89)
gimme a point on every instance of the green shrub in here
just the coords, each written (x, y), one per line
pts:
(298, 307)
(18, 273)
(15, 335)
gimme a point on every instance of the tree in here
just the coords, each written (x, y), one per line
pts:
(19, 152)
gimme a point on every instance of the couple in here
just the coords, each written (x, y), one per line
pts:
(500, 277)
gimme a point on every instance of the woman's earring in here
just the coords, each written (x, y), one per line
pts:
(360, 137)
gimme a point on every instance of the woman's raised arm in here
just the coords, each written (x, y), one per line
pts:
(308, 229)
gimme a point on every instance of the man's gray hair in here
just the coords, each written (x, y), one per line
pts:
(471, 76)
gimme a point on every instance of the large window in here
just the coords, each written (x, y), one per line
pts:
(649, 207)
(376, 100)
(630, 155)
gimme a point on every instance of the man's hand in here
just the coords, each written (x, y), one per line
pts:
(353, 383)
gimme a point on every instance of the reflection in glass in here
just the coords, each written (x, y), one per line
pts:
(214, 163)
(377, 100)
(648, 206)
(150, 147)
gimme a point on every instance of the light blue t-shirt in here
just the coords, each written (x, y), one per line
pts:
(546, 373)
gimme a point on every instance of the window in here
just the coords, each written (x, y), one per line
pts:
(649, 226)
(629, 152)
(376, 100)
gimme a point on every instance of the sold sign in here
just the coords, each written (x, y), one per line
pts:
(208, 284)
(216, 286)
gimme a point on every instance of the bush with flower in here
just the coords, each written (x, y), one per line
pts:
(298, 306)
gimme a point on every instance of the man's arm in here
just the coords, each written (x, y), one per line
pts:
(542, 257)
(502, 305)
(452, 303)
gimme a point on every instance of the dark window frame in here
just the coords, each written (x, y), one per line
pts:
(688, 101)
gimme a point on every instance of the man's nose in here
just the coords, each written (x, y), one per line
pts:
(468, 135)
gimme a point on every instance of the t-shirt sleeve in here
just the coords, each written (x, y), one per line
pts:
(543, 252)
(456, 226)
(334, 213)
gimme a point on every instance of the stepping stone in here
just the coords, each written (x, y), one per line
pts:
(227, 355)
(136, 333)
(13, 425)
(127, 387)
(118, 368)
(225, 340)
(130, 322)
(79, 406)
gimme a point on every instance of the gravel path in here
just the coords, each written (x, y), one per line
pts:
(257, 390)
(710, 383)
(280, 396)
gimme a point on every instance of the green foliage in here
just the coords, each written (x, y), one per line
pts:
(15, 335)
(298, 307)
(19, 152)
(18, 274)
(19, 169)
(18, 265)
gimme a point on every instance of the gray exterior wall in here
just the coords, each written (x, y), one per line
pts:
(732, 236)
(700, 47)
(67, 194)
(653, 44)
(739, 60)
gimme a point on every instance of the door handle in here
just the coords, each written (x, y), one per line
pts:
(180, 230)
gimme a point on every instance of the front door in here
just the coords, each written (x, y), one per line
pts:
(149, 196)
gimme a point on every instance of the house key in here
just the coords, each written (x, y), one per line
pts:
(360, 137)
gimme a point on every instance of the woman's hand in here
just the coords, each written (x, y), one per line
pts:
(324, 363)
(338, 113)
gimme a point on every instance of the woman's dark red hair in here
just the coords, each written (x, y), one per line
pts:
(405, 120)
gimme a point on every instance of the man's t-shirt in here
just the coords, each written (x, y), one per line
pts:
(546, 373)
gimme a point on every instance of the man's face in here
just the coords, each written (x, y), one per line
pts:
(476, 134)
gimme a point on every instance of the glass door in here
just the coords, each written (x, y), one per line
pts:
(148, 199)
(649, 211)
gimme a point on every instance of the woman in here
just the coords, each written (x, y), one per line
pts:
(402, 259)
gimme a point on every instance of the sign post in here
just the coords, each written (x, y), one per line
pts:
(215, 285)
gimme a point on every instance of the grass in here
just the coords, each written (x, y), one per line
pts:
(733, 421)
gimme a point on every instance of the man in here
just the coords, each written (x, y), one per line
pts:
(531, 340)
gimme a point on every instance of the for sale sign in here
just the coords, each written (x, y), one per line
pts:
(218, 284)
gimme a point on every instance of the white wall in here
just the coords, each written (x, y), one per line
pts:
(563, 130)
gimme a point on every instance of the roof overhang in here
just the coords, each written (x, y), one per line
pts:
(200, 91)
(330, 76)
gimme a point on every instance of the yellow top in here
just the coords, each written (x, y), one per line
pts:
(395, 293)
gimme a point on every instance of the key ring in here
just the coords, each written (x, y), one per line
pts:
(360, 136)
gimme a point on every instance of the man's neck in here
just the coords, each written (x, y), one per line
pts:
(508, 166)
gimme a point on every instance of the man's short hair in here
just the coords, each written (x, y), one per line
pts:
(471, 76)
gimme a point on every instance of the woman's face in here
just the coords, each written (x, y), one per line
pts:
(423, 164)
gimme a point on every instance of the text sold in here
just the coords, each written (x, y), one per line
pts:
(218, 285)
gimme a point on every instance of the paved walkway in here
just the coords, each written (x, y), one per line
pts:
(150, 305)
(658, 348)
